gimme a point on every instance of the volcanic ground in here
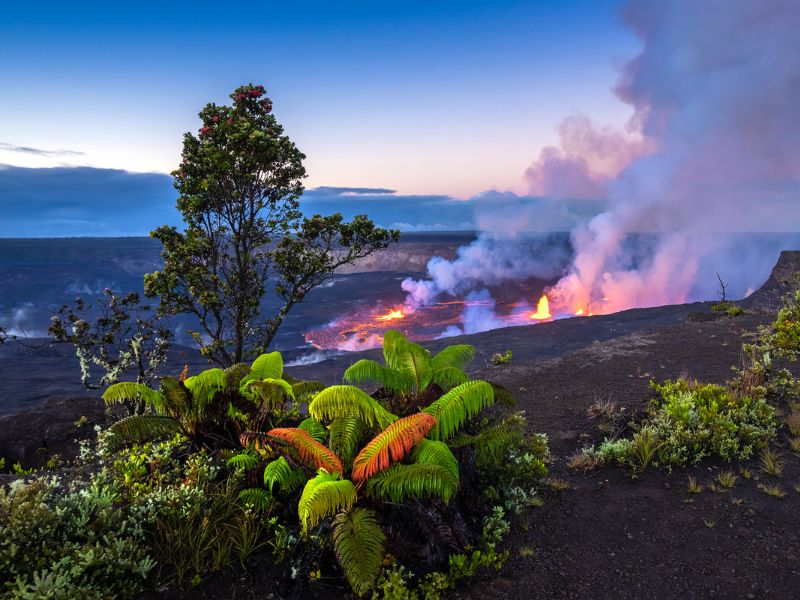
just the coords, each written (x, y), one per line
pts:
(608, 535)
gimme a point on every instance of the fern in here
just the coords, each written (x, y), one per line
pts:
(340, 400)
(458, 405)
(235, 373)
(314, 428)
(177, 401)
(138, 429)
(303, 389)
(368, 371)
(256, 439)
(243, 460)
(391, 445)
(129, 391)
(267, 392)
(346, 433)
(205, 386)
(431, 452)
(360, 546)
(492, 443)
(267, 366)
(414, 362)
(404, 482)
(281, 472)
(308, 449)
(457, 356)
(449, 377)
(256, 498)
(323, 496)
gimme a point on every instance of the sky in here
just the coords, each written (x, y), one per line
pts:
(433, 100)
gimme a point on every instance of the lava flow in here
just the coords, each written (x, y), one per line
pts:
(364, 329)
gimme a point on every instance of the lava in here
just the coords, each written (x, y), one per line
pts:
(542, 310)
(392, 315)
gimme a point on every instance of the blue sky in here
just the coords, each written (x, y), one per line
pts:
(425, 98)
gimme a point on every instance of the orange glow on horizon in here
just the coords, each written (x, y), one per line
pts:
(542, 309)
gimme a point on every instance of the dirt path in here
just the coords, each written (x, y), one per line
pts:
(614, 537)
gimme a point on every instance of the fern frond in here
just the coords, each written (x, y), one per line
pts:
(392, 340)
(257, 439)
(309, 450)
(492, 443)
(267, 366)
(457, 356)
(430, 452)
(391, 445)
(243, 460)
(281, 472)
(177, 400)
(346, 433)
(302, 389)
(138, 429)
(256, 498)
(130, 391)
(359, 544)
(449, 377)
(458, 405)
(323, 496)
(404, 482)
(235, 373)
(367, 371)
(414, 363)
(203, 388)
(314, 428)
(340, 400)
(270, 393)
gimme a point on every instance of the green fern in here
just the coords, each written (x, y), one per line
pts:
(367, 371)
(267, 366)
(138, 429)
(457, 356)
(324, 496)
(177, 400)
(346, 434)
(281, 472)
(341, 400)
(270, 393)
(304, 389)
(257, 498)
(314, 428)
(205, 386)
(360, 547)
(493, 442)
(129, 391)
(458, 405)
(432, 452)
(243, 460)
(449, 377)
(401, 482)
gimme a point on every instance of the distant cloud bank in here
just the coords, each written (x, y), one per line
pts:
(86, 201)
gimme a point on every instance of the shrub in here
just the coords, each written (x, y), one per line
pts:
(77, 545)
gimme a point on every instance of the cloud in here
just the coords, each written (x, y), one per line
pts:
(326, 191)
(83, 201)
(38, 151)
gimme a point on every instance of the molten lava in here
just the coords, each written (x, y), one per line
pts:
(542, 310)
(392, 315)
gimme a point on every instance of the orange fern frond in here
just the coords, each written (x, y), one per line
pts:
(395, 441)
(184, 373)
(256, 439)
(309, 450)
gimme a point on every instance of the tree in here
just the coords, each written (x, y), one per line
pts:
(239, 183)
(123, 336)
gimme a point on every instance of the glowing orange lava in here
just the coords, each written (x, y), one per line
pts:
(579, 312)
(542, 309)
(391, 315)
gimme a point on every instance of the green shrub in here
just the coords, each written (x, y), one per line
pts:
(77, 545)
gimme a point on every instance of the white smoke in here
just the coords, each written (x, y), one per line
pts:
(715, 90)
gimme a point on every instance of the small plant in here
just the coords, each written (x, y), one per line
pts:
(582, 461)
(557, 485)
(771, 463)
(737, 501)
(794, 444)
(772, 490)
(605, 409)
(709, 523)
(692, 486)
(745, 472)
(644, 445)
(502, 359)
(726, 479)
(793, 423)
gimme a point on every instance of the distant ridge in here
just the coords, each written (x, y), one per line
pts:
(785, 278)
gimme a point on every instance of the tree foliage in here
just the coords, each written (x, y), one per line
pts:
(239, 183)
